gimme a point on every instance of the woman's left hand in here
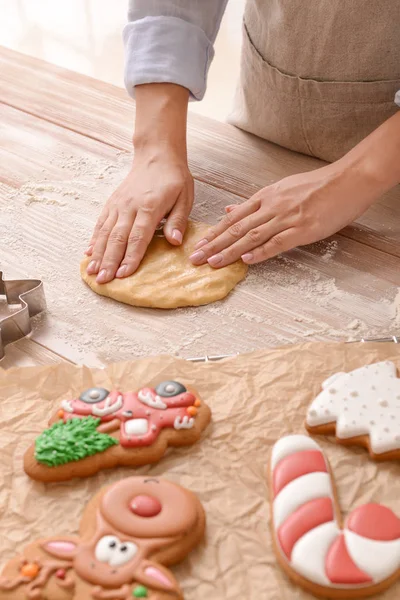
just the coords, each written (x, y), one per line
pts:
(298, 210)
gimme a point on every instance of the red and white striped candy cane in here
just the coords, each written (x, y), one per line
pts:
(354, 561)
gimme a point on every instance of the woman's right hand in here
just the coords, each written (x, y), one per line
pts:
(159, 185)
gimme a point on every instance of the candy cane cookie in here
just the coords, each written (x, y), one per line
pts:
(330, 559)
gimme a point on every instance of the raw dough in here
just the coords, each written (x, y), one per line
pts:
(167, 279)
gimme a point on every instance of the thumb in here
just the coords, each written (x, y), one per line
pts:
(175, 227)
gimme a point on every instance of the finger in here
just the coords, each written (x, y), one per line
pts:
(176, 224)
(231, 207)
(243, 210)
(101, 244)
(282, 242)
(243, 235)
(139, 238)
(100, 222)
(253, 238)
(115, 249)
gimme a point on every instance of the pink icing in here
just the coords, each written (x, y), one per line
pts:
(339, 566)
(158, 575)
(295, 465)
(310, 515)
(133, 408)
(375, 522)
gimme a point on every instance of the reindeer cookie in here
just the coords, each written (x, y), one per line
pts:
(359, 559)
(103, 429)
(128, 531)
(362, 408)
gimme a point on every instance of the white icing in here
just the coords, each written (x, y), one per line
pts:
(109, 407)
(136, 426)
(67, 406)
(150, 400)
(378, 559)
(109, 549)
(290, 445)
(298, 492)
(363, 402)
(329, 382)
(183, 423)
(309, 553)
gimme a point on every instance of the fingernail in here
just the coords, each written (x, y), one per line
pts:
(215, 260)
(89, 251)
(246, 258)
(229, 208)
(92, 267)
(102, 276)
(121, 271)
(200, 244)
(197, 257)
(176, 235)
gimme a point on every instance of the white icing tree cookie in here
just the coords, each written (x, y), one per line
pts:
(362, 408)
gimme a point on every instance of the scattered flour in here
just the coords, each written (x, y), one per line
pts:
(396, 313)
(288, 299)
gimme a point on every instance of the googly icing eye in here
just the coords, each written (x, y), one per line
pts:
(106, 548)
(124, 553)
(94, 395)
(168, 389)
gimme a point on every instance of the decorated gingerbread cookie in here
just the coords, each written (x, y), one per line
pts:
(361, 407)
(359, 559)
(128, 533)
(103, 429)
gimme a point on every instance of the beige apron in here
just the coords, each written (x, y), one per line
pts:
(318, 75)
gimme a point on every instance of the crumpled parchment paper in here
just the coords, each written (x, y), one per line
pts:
(255, 399)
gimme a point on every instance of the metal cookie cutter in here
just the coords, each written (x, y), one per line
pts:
(29, 295)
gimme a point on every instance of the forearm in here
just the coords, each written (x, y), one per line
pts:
(161, 117)
(171, 41)
(377, 157)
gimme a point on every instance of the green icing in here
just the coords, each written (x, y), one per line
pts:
(71, 441)
(140, 592)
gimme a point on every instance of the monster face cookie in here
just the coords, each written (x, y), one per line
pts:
(128, 533)
(361, 408)
(102, 429)
(359, 559)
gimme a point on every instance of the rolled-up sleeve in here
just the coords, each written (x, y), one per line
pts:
(171, 41)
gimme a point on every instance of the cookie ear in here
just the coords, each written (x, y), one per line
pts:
(155, 576)
(65, 549)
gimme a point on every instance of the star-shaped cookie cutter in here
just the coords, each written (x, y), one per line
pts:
(28, 294)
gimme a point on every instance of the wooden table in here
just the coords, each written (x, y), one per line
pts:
(65, 145)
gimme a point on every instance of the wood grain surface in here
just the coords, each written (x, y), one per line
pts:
(65, 146)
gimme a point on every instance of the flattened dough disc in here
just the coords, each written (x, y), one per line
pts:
(167, 279)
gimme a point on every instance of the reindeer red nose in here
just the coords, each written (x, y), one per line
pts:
(145, 506)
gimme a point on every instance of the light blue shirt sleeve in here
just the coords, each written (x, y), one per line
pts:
(171, 41)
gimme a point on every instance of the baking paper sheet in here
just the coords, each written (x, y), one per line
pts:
(255, 399)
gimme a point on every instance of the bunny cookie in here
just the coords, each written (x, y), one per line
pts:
(128, 533)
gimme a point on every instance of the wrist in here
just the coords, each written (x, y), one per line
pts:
(161, 118)
(375, 159)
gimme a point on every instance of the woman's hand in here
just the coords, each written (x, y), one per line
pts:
(305, 208)
(159, 185)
